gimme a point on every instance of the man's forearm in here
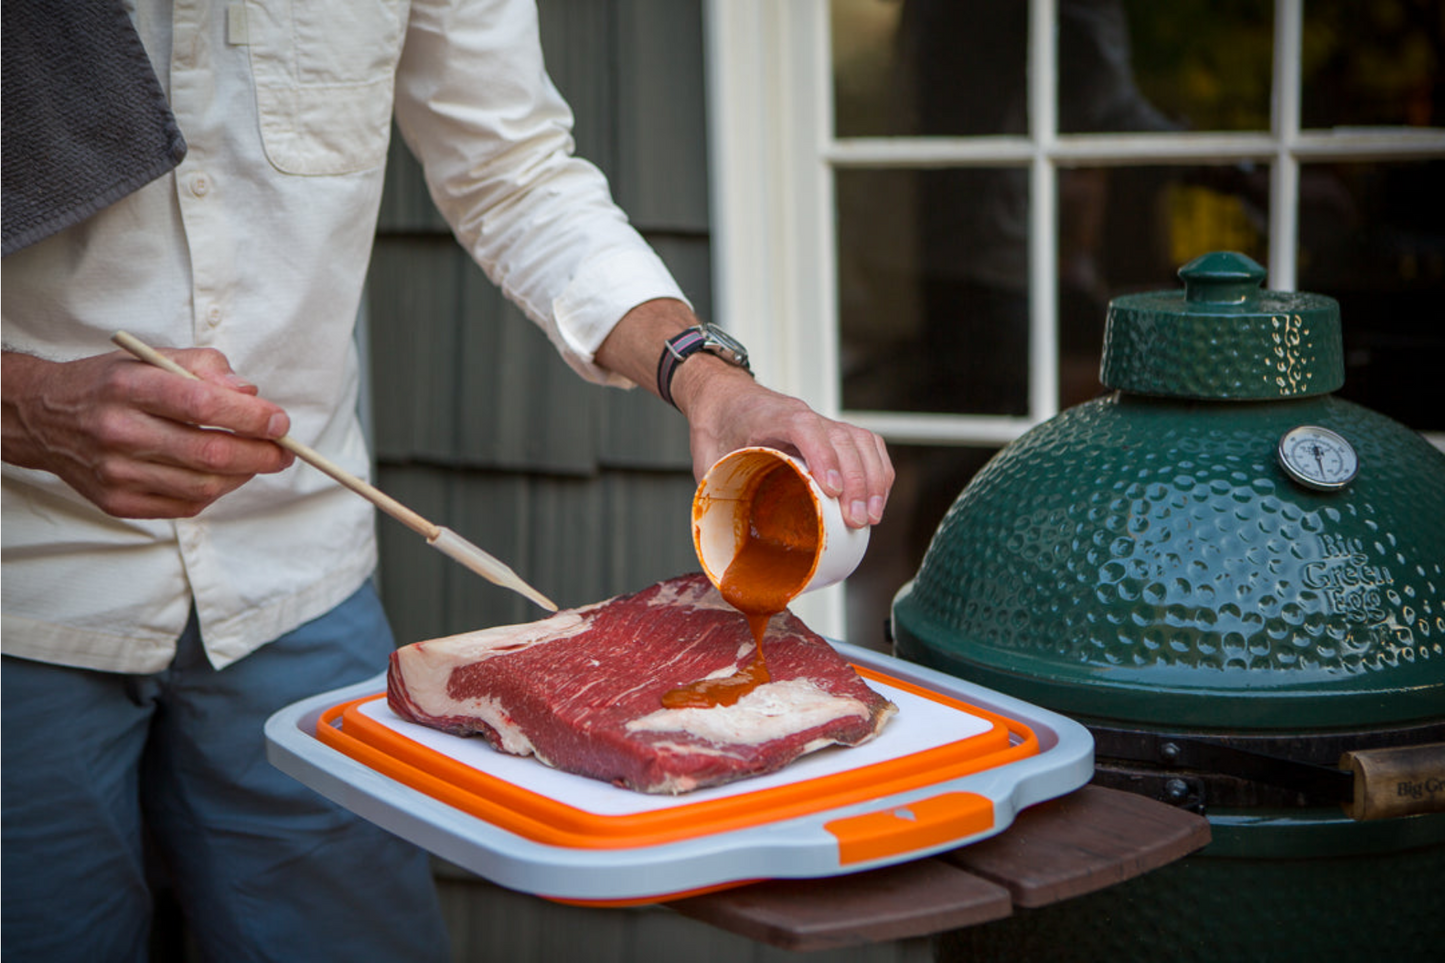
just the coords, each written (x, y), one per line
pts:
(635, 345)
(19, 373)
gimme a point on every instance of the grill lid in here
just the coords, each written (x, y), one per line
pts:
(1181, 554)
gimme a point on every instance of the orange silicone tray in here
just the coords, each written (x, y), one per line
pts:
(556, 822)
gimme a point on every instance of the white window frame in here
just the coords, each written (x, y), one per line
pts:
(773, 157)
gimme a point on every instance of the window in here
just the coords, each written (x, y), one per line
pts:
(922, 207)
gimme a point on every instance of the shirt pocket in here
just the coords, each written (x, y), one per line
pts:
(325, 73)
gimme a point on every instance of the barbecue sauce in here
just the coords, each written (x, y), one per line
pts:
(771, 567)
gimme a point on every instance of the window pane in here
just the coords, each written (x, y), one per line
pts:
(929, 67)
(933, 290)
(1372, 236)
(1141, 65)
(1381, 62)
(929, 480)
(1130, 229)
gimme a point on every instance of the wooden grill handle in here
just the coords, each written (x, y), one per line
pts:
(1400, 781)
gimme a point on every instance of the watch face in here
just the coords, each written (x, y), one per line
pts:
(1317, 458)
(721, 343)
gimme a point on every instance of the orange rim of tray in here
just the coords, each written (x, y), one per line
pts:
(546, 820)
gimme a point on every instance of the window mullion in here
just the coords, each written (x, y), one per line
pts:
(1043, 214)
(816, 360)
(1284, 174)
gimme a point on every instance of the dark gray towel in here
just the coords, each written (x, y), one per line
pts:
(85, 120)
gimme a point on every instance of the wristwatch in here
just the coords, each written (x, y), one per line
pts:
(703, 337)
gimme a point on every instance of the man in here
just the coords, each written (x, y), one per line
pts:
(170, 577)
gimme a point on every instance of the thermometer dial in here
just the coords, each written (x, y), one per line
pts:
(1317, 458)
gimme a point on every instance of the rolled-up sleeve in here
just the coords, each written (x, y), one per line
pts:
(476, 107)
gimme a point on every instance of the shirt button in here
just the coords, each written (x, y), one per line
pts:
(200, 185)
(213, 315)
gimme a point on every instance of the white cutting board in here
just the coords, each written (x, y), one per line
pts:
(920, 724)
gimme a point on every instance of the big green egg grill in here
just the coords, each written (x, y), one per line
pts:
(1231, 576)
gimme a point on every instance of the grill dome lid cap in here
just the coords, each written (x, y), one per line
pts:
(1223, 337)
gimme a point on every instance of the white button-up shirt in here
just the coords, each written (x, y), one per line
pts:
(257, 245)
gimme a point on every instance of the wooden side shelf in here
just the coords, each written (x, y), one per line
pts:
(1086, 841)
(895, 902)
(1080, 843)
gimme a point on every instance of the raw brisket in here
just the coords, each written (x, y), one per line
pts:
(582, 690)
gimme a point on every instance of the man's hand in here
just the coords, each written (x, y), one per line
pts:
(727, 410)
(130, 437)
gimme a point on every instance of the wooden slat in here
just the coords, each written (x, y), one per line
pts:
(578, 41)
(895, 902)
(579, 540)
(1086, 841)
(689, 257)
(1083, 842)
(405, 204)
(661, 177)
(494, 511)
(517, 405)
(413, 292)
(638, 430)
(567, 544)
(413, 574)
(648, 533)
(488, 922)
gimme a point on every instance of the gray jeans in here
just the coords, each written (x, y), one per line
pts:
(111, 780)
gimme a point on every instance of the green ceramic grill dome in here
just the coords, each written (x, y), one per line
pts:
(1220, 557)
(1145, 557)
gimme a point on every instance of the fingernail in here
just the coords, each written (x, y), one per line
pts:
(875, 509)
(239, 383)
(276, 427)
(859, 511)
(835, 480)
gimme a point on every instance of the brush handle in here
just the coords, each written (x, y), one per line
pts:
(306, 453)
(442, 539)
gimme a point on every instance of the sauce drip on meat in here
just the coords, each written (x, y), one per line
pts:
(771, 567)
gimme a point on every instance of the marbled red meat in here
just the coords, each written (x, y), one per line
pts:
(582, 690)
